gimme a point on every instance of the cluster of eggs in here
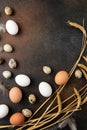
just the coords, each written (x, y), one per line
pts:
(45, 90)
(15, 93)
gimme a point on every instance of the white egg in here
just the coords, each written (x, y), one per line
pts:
(12, 27)
(22, 80)
(7, 74)
(45, 89)
(78, 74)
(8, 48)
(3, 110)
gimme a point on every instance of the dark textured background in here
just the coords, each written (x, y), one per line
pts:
(44, 39)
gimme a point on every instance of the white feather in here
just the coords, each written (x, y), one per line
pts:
(3, 89)
(2, 28)
(70, 122)
(62, 124)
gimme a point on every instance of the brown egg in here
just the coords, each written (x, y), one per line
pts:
(17, 119)
(15, 95)
(61, 77)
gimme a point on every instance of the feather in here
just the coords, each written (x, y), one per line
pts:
(2, 28)
(70, 122)
(62, 124)
(3, 89)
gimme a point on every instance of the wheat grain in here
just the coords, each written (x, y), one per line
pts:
(83, 67)
(78, 97)
(76, 25)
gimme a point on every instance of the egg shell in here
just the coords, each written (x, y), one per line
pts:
(4, 110)
(27, 112)
(15, 95)
(17, 119)
(61, 77)
(22, 80)
(7, 48)
(47, 69)
(8, 10)
(7, 74)
(45, 89)
(78, 74)
(32, 98)
(12, 27)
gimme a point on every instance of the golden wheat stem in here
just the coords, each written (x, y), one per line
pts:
(45, 111)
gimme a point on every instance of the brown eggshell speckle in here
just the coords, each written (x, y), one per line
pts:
(15, 95)
(17, 119)
(61, 77)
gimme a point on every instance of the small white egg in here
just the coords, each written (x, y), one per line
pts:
(7, 74)
(46, 69)
(45, 89)
(12, 27)
(78, 74)
(22, 80)
(7, 48)
(32, 98)
(3, 110)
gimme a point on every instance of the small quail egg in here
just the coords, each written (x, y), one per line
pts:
(46, 69)
(61, 77)
(27, 112)
(12, 63)
(7, 48)
(32, 98)
(78, 74)
(8, 10)
(7, 74)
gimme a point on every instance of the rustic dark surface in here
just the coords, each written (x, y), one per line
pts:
(44, 39)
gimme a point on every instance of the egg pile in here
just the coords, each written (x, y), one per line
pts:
(15, 93)
(23, 80)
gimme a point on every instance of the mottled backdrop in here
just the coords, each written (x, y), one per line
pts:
(44, 39)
